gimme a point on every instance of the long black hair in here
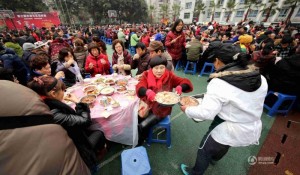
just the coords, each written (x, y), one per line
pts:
(173, 29)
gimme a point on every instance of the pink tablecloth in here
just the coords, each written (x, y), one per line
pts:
(118, 124)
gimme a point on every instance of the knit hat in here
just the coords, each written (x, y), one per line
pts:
(28, 46)
(154, 45)
(158, 60)
(245, 39)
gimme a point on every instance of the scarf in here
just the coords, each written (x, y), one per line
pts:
(154, 82)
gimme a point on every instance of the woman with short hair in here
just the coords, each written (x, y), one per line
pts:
(96, 62)
(121, 58)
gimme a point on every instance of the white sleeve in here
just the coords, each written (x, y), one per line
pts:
(211, 104)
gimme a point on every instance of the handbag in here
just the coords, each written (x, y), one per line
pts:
(143, 109)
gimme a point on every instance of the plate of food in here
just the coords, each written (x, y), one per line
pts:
(93, 92)
(99, 80)
(122, 82)
(89, 88)
(166, 98)
(109, 81)
(121, 89)
(89, 99)
(188, 101)
(107, 91)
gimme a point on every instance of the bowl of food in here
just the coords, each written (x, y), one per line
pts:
(122, 82)
(188, 101)
(166, 98)
(107, 91)
(99, 81)
(121, 89)
(109, 81)
(88, 99)
(89, 88)
(93, 92)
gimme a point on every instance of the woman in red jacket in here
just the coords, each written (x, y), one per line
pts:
(155, 80)
(175, 41)
(96, 62)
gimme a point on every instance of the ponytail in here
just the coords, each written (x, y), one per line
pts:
(242, 59)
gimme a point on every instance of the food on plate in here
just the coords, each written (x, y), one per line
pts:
(122, 82)
(167, 98)
(89, 88)
(88, 99)
(107, 91)
(121, 89)
(99, 80)
(188, 101)
(109, 81)
(93, 92)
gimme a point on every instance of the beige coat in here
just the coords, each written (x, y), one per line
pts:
(44, 149)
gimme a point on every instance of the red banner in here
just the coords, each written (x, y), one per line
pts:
(33, 19)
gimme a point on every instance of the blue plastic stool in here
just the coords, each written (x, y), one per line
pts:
(281, 98)
(135, 161)
(109, 41)
(132, 50)
(193, 70)
(209, 65)
(165, 123)
(102, 38)
(179, 65)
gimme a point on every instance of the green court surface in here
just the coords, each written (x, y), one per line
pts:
(186, 136)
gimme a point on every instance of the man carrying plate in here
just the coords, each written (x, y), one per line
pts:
(158, 79)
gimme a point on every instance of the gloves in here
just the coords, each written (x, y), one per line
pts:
(178, 90)
(150, 95)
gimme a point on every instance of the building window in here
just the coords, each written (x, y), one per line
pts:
(253, 13)
(188, 5)
(239, 14)
(222, 2)
(217, 14)
(208, 14)
(187, 15)
(283, 12)
(242, 1)
(298, 13)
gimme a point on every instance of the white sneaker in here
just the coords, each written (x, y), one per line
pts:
(197, 120)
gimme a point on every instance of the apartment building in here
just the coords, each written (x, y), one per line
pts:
(220, 15)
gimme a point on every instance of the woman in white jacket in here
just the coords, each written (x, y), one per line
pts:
(234, 101)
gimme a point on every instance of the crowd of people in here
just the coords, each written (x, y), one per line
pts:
(249, 60)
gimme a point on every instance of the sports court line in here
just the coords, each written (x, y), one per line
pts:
(113, 157)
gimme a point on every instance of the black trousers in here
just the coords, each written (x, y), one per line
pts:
(97, 140)
(145, 124)
(209, 150)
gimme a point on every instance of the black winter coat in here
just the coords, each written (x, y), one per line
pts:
(285, 76)
(76, 124)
